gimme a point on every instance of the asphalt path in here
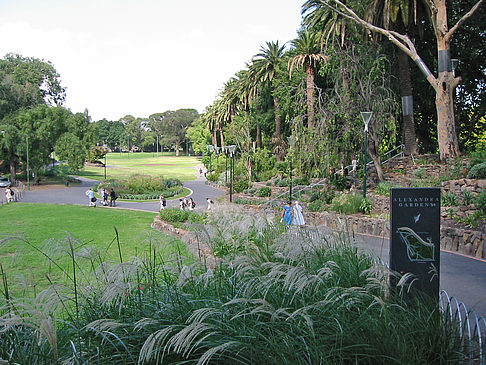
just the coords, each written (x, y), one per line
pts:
(75, 194)
(461, 276)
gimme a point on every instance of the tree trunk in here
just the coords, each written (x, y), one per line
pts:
(13, 172)
(259, 135)
(446, 83)
(309, 71)
(214, 137)
(377, 163)
(409, 136)
(177, 145)
(221, 138)
(278, 121)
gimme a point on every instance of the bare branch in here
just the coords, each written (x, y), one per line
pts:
(402, 41)
(463, 19)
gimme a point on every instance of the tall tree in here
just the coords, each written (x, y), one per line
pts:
(308, 55)
(445, 83)
(265, 66)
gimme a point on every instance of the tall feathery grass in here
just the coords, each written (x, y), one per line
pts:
(282, 297)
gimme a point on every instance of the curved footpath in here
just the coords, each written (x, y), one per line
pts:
(76, 195)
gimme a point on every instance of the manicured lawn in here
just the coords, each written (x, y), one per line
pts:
(47, 226)
(124, 165)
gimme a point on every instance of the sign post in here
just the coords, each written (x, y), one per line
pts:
(415, 236)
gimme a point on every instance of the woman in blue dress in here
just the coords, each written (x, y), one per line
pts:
(287, 214)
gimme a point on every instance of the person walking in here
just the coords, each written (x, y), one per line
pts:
(210, 203)
(9, 194)
(162, 201)
(113, 198)
(91, 198)
(192, 204)
(287, 214)
(182, 206)
(298, 219)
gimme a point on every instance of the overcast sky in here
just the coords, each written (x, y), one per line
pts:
(138, 57)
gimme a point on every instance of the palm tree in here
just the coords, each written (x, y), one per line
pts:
(308, 56)
(264, 67)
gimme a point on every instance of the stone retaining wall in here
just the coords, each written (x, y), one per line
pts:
(468, 242)
(198, 248)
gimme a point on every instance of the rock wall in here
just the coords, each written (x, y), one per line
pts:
(468, 242)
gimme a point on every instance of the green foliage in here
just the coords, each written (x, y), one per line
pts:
(96, 153)
(212, 177)
(366, 207)
(175, 215)
(477, 171)
(153, 310)
(326, 195)
(472, 220)
(480, 202)
(339, 182)
(303, 180)
(250, 191)
(143, 187)
(449, 200)
(281, 182)
(317, 206)
(477, 157)
(383, 188)
(264, 192)
(240, 184)
(419, 173)
(467, 197)
(69, 148)
(346, 203)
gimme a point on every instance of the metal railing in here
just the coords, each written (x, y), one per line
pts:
(471, 327)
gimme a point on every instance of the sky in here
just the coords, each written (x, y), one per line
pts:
(139, 57)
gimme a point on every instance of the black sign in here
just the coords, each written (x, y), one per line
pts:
(415, 236)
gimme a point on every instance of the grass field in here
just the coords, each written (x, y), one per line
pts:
(47, 226)
(124, 165)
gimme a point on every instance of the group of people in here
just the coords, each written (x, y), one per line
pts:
(104, 194)
(293, 214)
(187, 203)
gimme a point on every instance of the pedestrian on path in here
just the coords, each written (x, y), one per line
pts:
(9, 194)
(182, 206)
(113, 198)
(192, 204)
(287, 214)
(91, 198)
(298, 219)
(162, 201)
(210, 203)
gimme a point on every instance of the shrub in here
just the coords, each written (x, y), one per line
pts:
(246, 201)
(265, 175)
(477, 171)
(419, 173)
(477, 158)
(212, 177)
(383, 188)
(240, 185)
(449, 199)
(269, 183)
(282, 183)
(264, 192)
(174, 215)
(317, 206)
(346, 203)
(339, 182)
(366, 207)
(480, 202)
(303, 180)
(467, 197)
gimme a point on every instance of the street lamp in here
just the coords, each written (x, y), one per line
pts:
(454, 64)
(231, 149)
(366, 116)
(291, 141)
(106, 152)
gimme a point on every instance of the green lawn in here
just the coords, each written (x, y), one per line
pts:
(124, 165)
(46, 227)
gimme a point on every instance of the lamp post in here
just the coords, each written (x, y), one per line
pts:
(106, 152)
(366, 116)
(291, 141)
(454, 64)
(231, 149)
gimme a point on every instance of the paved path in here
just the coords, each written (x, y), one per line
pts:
(461, 276)
(76, 195)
